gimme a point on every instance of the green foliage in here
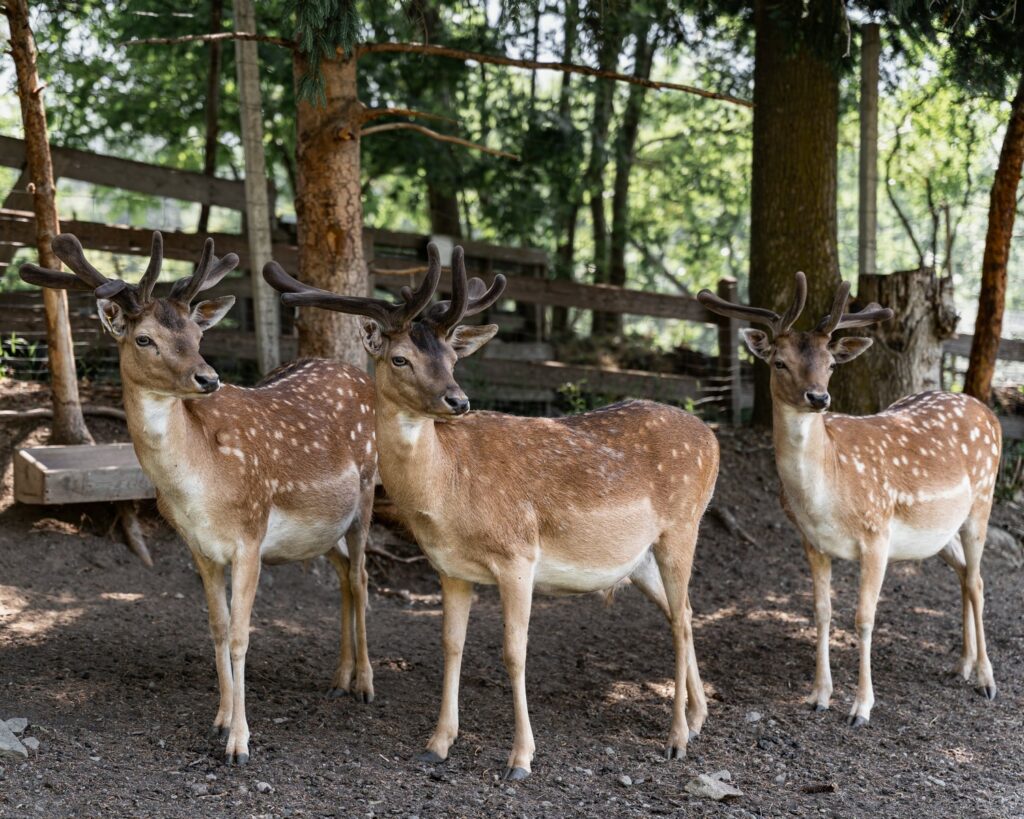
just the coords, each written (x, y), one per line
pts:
(322, 27)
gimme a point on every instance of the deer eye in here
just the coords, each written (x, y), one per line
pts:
(399, 361)
(143, 341)
(779, 365)
(832, 366)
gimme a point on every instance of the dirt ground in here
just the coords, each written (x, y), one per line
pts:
(113, 667)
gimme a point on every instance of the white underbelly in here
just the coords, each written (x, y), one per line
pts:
(554, 576)
(827, 536)
(292, 536)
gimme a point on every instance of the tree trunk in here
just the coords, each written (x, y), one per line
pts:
(444, 210)
(604, 98)
(1002, 211)
(566, 193)
(212, 108)
(793, 223)
(68, 423)
(625, 154)
(870, 50)
(907, 354)
(257, 206)
(329, 210)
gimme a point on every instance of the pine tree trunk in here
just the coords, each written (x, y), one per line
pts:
(257, 205)
(328, 206)
(68, 423)
(625, 155)
(867, 221)
(1002, 211)
(906, 357)
(793, 224)
(444, 210)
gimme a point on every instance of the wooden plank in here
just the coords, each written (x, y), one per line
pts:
(141, 177)
(1010, 349)
(79, 474)
(729, 350)
(1013, 427)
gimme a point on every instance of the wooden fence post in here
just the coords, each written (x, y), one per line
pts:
(729, 349)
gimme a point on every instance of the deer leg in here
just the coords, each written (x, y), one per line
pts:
(821, 577)
(355, 538)
(456, 600)
(674, 553)
(953, 554)
(647, 579)
(516, 588)
(346, 657)
(873, 560)
(972, 535)
(217, 606)
(245, 575)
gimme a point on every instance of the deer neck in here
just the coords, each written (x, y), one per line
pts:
(803, 451)
(408, 450)
(159, 426)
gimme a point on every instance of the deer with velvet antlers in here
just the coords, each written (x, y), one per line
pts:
(915, 480)
(564, 505)
(284, 471)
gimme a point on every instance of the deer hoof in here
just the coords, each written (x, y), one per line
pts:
(336, 693)
(515, 774)
(987, 691)
(219, 732)
(818, 707)
(856, 721)
(236, 759)
(675, 752)
(692, 735)
(430, 758)
(365, 697)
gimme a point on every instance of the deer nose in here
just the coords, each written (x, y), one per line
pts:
(207, 382)
(457, 402)
(818, 400)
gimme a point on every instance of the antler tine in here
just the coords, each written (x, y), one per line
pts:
(871, 314)
(414, 301)
(55, 279)
(156, 258)
(184, 290)
(796, 307)
(456, 308)
(69, 250)
(297, 294)
(830, 323)
(759, 315)
(481, 297)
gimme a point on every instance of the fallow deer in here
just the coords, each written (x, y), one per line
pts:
(915, 480)
(284, 471)
(564, 505)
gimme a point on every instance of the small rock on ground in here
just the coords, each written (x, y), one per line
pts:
(17, 725)
(625, 781)
(31, 743)
(10, 745)
(713, 786)
(753, 716)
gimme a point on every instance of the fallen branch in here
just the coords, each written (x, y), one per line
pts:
(44, 412)
(212, 38)
(566, 68)
(732, 526)
(376, 113)
(412, 126)
(377, 550)
(128, 516)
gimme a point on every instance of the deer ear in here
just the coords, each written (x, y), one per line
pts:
(208, 313)
(112, 317)
(757, 342)
(466, 339)
(373, 338)
(847, 349)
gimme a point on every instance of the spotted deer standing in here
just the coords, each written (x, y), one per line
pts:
(913, 481)
(284, 471)
(565, 505)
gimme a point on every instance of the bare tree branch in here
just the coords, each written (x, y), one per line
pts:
(412, 126)
(213, 38)
(375, 113)
(566, 68)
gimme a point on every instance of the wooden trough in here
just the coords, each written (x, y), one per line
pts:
(104, 473)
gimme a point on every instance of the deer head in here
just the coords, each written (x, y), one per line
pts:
(158, 338)
(801, 362)
(414, 347)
